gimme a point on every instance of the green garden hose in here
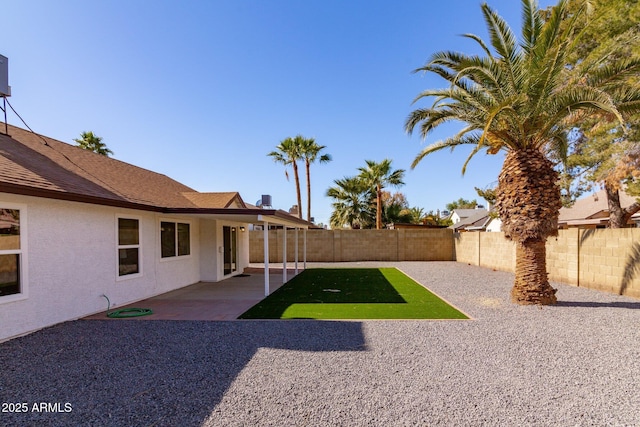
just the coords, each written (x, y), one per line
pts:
(123, 313)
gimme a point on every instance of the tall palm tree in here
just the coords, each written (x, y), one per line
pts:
(518, 100)
(289, 153)
(91, 142)
(352, 203)
(378, 176)
(310, 152)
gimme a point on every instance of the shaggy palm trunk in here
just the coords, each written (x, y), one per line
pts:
(297, 179)
(308, 190)
(528, 202)
(532, 285)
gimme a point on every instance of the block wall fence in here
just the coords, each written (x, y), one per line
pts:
(607, 260)
(357, 245)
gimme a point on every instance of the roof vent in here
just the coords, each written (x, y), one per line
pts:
(5, 89)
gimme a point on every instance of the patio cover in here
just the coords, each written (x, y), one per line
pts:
(264, 217)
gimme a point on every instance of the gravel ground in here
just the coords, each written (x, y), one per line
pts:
(574, 364)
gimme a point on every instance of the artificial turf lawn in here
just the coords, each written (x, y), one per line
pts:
(352, 293)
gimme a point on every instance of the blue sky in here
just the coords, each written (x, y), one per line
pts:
(201, 91)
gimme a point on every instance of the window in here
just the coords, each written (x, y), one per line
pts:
(128, 246)
(175, 239)
(11, 257)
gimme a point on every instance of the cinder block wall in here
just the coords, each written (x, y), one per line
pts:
(467, 248)
(607, 260)
(357, 245)
(496, 252)
(562, 256)
(610, 260)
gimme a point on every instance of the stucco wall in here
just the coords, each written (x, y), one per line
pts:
(71, 257)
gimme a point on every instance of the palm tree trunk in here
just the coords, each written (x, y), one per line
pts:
(378, 208)
(532, 284)
(297, 178)
(528, 202)
(308, 190)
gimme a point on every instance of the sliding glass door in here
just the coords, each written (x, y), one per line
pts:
(229, 236)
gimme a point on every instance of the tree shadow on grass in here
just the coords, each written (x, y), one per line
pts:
(328, 286)
(146, 373)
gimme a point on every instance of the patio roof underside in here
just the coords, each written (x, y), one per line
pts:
(243, 215)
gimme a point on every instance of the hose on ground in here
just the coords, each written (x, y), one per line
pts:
(123, 313)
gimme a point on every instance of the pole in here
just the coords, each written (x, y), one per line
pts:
(266, 257)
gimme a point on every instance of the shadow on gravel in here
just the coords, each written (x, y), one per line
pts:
(161, 373)
(589, 304)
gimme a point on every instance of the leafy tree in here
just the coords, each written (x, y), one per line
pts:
(91, 142)
(516, 98)
(288, 152)
(378, 176)
(310, 152)
(489, 194)
(352, 204)
(601, 149)
(398, 198)
(462, 204)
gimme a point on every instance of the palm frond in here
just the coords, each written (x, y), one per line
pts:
(531, 25)
(502, 38)
(451, 143)
(481, 42)
(616, 72)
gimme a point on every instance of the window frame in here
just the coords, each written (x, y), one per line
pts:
(176, 222)
(120, 277)
(22, 253)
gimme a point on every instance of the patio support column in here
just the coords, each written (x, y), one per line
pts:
(284, 254)
(304, 250)
(266, 257)
(296, 250)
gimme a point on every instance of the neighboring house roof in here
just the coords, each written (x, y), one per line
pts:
(592, 209)
(466, 213)
(36, 165)
(477, 220)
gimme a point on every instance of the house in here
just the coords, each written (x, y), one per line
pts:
(75, 226)
(469, 219)
(593, 211)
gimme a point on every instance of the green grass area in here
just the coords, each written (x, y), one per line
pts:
(352, 293)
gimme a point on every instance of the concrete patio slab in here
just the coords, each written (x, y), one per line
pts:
(225, 300)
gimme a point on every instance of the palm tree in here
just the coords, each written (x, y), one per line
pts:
(91, 142)
(416, 215)
(520, 101)
(310, 152)
(288, 153)
(378, 176)
(352, 203)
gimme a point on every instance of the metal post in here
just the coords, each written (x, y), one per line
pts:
(304, 250)
(284, 254)
(266, 257)
(296, 250)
